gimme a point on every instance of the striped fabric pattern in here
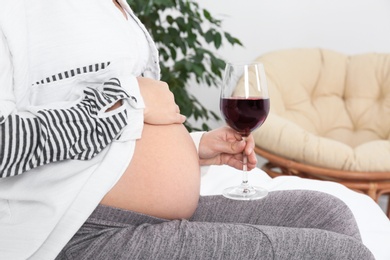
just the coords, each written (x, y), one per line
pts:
(79, 132)
(73, 72)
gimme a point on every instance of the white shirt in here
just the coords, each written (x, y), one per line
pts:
(41, 209)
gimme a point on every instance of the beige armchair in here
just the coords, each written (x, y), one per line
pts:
(329, 118)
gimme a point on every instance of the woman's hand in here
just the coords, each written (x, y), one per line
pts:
(225, 146)
(160, 106)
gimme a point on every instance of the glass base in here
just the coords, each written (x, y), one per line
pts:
(245, 193)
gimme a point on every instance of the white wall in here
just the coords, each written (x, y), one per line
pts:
(349, 26)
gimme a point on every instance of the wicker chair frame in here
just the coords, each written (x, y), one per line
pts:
(373, 184)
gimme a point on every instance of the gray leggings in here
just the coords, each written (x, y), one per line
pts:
(284, 225)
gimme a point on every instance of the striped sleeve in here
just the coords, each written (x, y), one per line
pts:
(79, 132)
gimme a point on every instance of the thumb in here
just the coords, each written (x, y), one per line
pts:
(180, 118)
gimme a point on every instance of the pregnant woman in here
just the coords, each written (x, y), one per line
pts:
(96, 164)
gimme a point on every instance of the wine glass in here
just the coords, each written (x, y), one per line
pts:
(244, 104)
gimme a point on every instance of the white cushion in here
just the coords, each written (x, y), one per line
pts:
(328, 109)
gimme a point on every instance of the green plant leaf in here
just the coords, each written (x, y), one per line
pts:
(217, 40)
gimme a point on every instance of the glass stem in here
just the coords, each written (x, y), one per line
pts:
(244, 183)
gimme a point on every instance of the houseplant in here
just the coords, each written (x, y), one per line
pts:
(186, 37)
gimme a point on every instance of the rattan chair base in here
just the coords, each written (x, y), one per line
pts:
(373, 184)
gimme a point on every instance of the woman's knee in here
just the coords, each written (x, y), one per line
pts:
(311, 209)
(303, 243)
(332, 214)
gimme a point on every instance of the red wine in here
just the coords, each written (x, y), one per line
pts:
(244, 115)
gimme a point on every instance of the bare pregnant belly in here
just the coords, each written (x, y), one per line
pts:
(163, 178)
